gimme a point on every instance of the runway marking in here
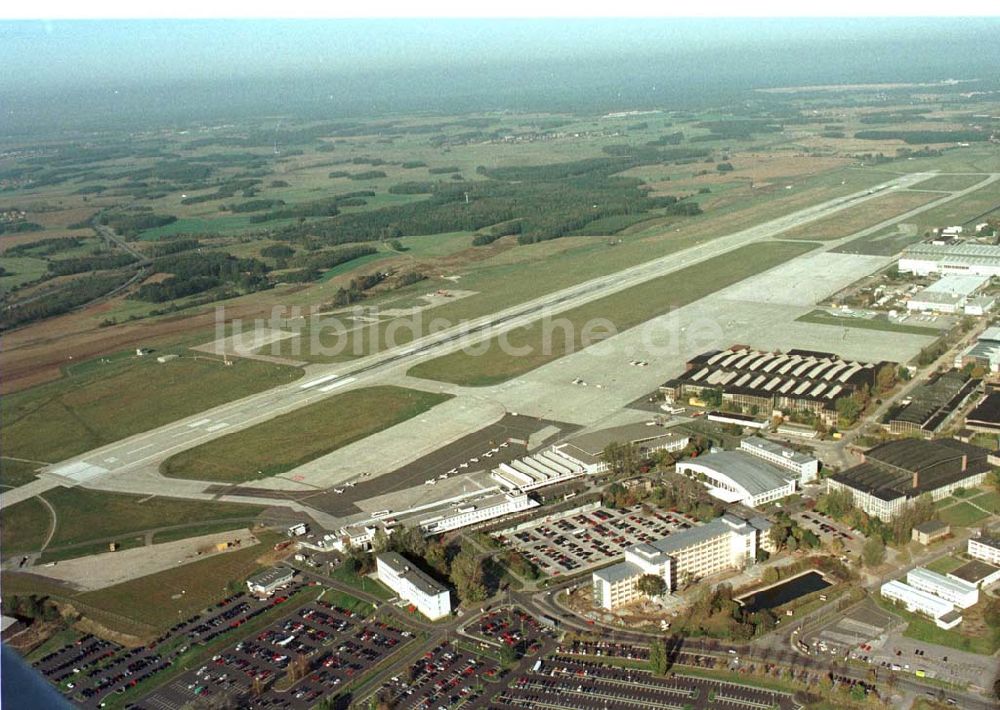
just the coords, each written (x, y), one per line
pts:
(111, 459)
(216, 427)
(335, 385)
(80, 471)
(141, 448)
(180, 433)
(200, 422)
(318, 381)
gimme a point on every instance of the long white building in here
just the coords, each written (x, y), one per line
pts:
(962, 258)
(985, 548)
(942, 612)
(413, 585)
(728, 542)
(960, 593)
(805, 467)
(477, 510)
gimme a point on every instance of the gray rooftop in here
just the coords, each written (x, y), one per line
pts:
(639, 433)
(270, 576)
(755, 475)
(418, 578)
(618, 572)
(778, 449)
(694, 536)
(931, 526)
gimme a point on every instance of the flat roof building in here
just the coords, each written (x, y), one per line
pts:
(927, 532)
(986, 415)
(413, 585)
(949, 294)
(977, 572)
(984, 352)
(471, 512)
(961, 258)
(960, 593)
(268, 581)
(739, 477)
(985, 548)
(894, 473)
(930, 405)
(804, 466)
(942, 612)
(728, 542)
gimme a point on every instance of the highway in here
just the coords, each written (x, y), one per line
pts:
(142, 453)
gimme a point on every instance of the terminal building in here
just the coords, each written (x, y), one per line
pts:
(895, 473)
(985, 548)
(772, 382)
(413, 585)
(478, 510)
(942, 612)
(962, 258)
(584, 455)
(958, 592)
(726, 543)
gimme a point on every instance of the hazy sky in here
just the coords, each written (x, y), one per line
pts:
(53, 54)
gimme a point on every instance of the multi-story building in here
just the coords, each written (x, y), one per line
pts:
(799, 381)
(480, 510)
(895, 473)
(985, 548)
(413, 585)
(942, 612)
(805, 467)
(927, 532)
(728, 542)
(958, 592)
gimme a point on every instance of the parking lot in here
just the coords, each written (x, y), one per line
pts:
(577, 542)
(321, 645)
(827, 529)
(513, 627)
(565, 682)
(446, 676)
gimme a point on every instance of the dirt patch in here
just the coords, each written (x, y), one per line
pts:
(89, 626)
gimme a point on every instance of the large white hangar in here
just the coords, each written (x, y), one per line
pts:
(738, 477)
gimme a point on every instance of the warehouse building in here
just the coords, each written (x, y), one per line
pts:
(479, 510)
(805, 467)
(962, 258)
(986, 415)
(268, 581)
(413, 585)
(929, 406)
(739, 477)
(772, 382)
(949, 294)
(930, 531)
(726, 543)
(943, 613)
(896, 472)
(985, 548)
(985, 352)
(958, 592)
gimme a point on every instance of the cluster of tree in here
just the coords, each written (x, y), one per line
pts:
(334, 257)
(355, 291)
(668, 139)
(326, 207)
(520, 565)
(716, 610)
(30, 607)
(64, 299)
(738, 128)
(195, 273)
(129, 224)
(924, 137)
(224, 192)
(786, 534)
(367, 175)
(840, 506)
(44, 247)
(412, 187)
(19, 227)
(896, 116)
(81, 264)
(277, 251)
(496, 231)
(173, 246)
(675, 493)
(725, 167)
(444, 171)
(411, 164)
(254, 205)
(850, 408)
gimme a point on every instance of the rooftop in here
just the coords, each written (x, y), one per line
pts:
(974, 572)
(616, 573)
(594, 442)
(270, 576)
(931, 526)
(987, 411)
(758, 442)
(939, 580)
(988, 540)
(755, 475)
(405, 570)
(696, 535)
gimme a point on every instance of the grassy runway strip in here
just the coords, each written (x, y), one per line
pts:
(625, 309)
(822, 317)
(293, 439)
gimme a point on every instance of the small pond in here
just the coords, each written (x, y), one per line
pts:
(784, 592)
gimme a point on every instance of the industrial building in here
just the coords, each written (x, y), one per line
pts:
(929, 406)
(479, 510)
(804, 466)
(930, 531)
(584, 454)
(896, 472)
(413, 585)
(960, 258)
(942, 612)
(985, 352)
(728, 542)
(985, 548)
(739, 477)
(773, 382)
(268, 581)
(958, 592)
(949, 294)
(986, 415)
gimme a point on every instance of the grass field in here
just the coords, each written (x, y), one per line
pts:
(924, 629)
(624, 309)
(300, 436)
(962, 515)
(949, 182)
(989, 501)
(822, 317)
(20, 270)
(17, 473)
(343, 573)
(945, 564)
(101, 403)
(85, 516)
(867, 214)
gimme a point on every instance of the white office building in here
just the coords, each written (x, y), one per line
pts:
(413, 585)
(960, 593)
(805, 467)
(478, 510)
(942, 612)
(985, 548)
